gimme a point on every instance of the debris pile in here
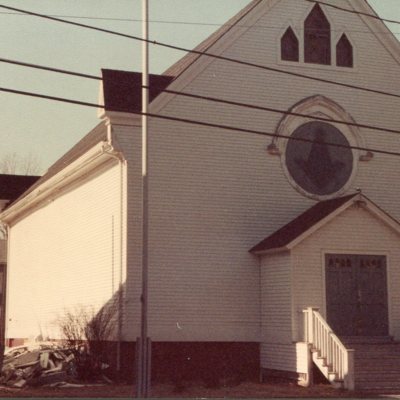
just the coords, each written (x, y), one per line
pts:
(45, 364)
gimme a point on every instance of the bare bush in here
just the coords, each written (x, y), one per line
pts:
(100, 325)
(72, 326)
(86, 333)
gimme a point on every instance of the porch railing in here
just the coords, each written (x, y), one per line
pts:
(337, 360)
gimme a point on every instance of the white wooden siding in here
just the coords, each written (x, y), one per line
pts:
(195, 293)
(284, 357)
(277, 349)
(128, 140)
(65, 254)
(276, 299)
(353, 231)
(214, 194)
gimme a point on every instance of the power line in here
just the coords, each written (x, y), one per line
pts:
(156, 21)
(205, 124)
(190, 23)
(209, 98)
(391, 21)
(50, 69)
(203, 53)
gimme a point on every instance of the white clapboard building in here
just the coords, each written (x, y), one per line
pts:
(264, 251)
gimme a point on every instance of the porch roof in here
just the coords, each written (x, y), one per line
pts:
(304, 222)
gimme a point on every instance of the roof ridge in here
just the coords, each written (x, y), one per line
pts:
(187, 60)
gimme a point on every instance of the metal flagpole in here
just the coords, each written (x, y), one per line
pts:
(143, 353)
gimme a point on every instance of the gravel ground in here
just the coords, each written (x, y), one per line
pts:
(244, 390)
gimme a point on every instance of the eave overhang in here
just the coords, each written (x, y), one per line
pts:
(80, 168)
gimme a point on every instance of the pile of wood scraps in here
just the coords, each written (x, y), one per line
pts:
(41, 365)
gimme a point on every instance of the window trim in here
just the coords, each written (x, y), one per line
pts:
(320, 106)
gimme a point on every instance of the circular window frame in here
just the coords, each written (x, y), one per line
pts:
(320, 107)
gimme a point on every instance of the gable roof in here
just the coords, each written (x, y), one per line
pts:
(388, 40)
(283, 237)
(185, 62)
(12, 186)
(122, 89)
(98, 134)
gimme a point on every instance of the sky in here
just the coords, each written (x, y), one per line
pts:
(46, 129)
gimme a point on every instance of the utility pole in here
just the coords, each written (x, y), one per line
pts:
(143, 343)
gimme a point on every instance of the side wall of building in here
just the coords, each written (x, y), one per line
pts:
(66, 254)
(195, 294)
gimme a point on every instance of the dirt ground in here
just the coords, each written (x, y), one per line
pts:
(244, 390)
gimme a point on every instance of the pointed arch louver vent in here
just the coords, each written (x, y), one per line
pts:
(289, 46)
(344, 52)
(317, 37)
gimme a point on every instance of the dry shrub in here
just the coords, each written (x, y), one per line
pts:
(86, 333)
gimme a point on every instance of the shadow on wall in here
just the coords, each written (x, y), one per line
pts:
(212, 363)
(93, 335)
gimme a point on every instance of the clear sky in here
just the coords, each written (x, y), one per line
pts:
(48, 129)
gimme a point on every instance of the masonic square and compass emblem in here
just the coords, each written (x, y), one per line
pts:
(317, 167)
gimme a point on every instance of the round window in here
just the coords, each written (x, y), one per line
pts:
(316, 167)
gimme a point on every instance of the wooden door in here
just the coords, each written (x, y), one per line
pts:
(356, 294)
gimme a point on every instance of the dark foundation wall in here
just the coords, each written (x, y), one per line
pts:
(213, 363)
(210, 362)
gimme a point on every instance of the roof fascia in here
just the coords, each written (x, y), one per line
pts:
(218, 48)
(388, 40)
(382, 215)
(363, 202)
(121, 118)
(271, 251)
(96, 156)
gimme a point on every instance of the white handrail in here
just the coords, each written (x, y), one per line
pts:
(338, 359)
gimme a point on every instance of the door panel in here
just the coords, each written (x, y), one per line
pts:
(356, 294)
(340, 292)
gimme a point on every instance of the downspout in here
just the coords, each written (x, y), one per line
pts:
(118, 155)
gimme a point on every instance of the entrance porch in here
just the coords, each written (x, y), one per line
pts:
(339, 262)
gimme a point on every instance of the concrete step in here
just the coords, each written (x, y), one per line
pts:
(381, 389)
(377, 365)
(355, 340)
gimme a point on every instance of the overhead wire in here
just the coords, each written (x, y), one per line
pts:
(208, 98)
(205, 124)
(50, 69)
(175, 22)
(374, 16)
(214, 24)
(197, 96)
(215, 56)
